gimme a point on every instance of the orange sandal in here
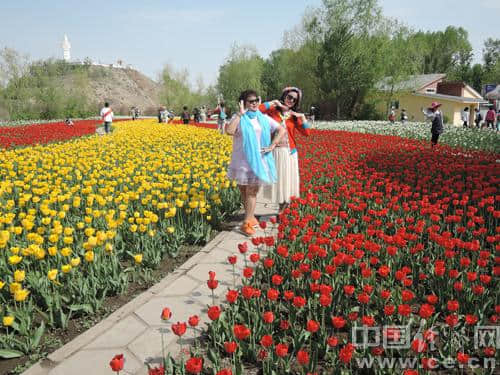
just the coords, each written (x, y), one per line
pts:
(253, 222)
(247, 229)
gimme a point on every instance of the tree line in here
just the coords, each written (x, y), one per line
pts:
(341, 49)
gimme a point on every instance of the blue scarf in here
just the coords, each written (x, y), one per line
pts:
(252, 153)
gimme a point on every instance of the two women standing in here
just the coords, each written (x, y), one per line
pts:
(264, 150)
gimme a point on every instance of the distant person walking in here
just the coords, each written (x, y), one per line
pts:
(392, 116)
(203, 114)
(69, 122)
(185, 116)
(434, 114)
(196, 115)
(221, 117)
(478, 118)
(465, 117)
(404, 116)
(490, 118)
(107, 117)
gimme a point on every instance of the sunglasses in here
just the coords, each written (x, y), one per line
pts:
(291, 98)
(253, 101)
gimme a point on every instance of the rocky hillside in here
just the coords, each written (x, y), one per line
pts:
(122, 88)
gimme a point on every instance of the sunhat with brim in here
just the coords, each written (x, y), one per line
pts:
(435, 105)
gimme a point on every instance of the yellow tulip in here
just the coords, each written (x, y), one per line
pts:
(66, 251)
(108, 247)
(20, 295)
(15, 259)
(138, 258)
(8, 320)
(2, 284)
(19, 276)
(52, 274)
(66, 268)
(75, 261)
(89, 256)
(170, 230)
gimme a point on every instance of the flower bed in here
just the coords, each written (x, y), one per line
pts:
(391, 239)
(456, 136)
(79, 219)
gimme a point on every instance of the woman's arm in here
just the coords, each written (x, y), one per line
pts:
(232, 125)
(301, 124)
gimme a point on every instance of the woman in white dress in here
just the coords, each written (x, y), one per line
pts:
(285, 111)
(252, 163)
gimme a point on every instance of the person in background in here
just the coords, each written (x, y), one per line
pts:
(196, 115)
(136, 113)
(185, 116)
(107, 117)
(160, 115)
(490, 118)
(69, 122)
(478, 118)
(465, 117)
(203, 113)
(252, 163)
(221, 118)
(285, 112)
(434, 114)
(404, 116)
(313, 115)
(392, 115)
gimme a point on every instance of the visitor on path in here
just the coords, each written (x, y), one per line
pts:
(404, 116)
(490, 118)
(136, 113)
(196, 115)
(285, 112)
(478, 118)
(313, 114)
(392, 116)
(185, 116)
(465, 117)
(69, 122)
(434, 114)
(203, 113)
(107, 117)
(252, 163)
(221, 116)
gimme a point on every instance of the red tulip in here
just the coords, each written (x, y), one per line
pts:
(230, 346)
(194, 365)
(214, 312)
(281, 350)
(166, 314)
(194, 320)
(117, 363)
(266, 341)
(240, 331)
(179, 328)
(303, 357)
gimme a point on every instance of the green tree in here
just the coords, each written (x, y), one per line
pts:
(491, 58)
(243, 70)
(352, 35)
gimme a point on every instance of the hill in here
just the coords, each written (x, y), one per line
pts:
(122, 88)
(54, 89)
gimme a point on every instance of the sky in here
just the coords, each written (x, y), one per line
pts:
(197, 35)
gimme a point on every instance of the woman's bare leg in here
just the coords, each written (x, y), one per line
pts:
(251, 201)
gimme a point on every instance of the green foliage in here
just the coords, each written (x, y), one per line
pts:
(243, 70)
(176, 91)
(37, 90)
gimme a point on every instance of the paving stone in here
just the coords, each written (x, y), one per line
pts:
(148, 345)
(120, 334)
(181, 286)
(223, 272)
(95, 362)
(182, 308)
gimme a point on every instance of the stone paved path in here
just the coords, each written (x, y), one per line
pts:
(133, 330)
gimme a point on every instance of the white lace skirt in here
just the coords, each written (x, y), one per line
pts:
(287, 170)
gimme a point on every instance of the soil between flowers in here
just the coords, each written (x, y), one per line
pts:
(56, 338)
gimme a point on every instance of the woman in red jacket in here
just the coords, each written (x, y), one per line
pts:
(284, 111)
